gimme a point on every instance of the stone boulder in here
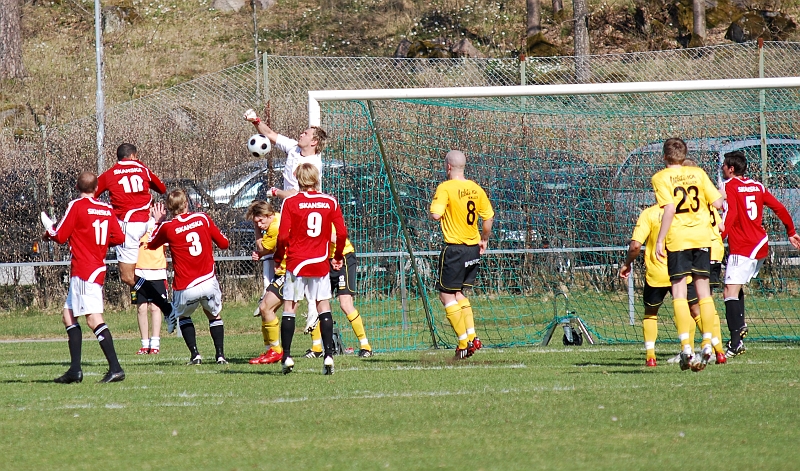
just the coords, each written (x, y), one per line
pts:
(464, 48)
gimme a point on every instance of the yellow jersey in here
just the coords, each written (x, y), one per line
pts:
(646, 233)
(270, 239)
(717, 246)
(691, 191)
(150, 259)
(348, 247)
(460, 203)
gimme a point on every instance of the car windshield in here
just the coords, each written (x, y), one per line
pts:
(782, 168)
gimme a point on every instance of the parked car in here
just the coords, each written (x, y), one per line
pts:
(632, 190)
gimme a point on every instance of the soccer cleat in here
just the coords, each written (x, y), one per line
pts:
(461, 353)
(477, 344)
(686, 361)
(743, 331)
(705, 357)
(261, 359)
(364, 353)
(651, 362)
(721, 360)
(288, 365)
(196, 360)
(172, 322)
(70, 377)
(222, 361)
(470, 349)
(313, 354)
(143, 351)
(327, 366)
(273, 357)
(732, 351)
(154, 351)
(113, 377)
(312, 319)
(675, 359)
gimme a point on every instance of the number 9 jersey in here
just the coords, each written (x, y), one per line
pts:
(460, 203)
(691, 191)
(190, 236)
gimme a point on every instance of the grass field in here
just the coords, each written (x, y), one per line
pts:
(520, 408)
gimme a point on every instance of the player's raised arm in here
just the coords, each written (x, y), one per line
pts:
(262, 128)
(780, 210)
(157, 184)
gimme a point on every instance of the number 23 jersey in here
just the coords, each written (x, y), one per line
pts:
(190, 237)
(691, 191)
(460, 202)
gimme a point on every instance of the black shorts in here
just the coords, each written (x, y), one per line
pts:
(714, 279)
(689, 262)
(654, 296)
(276, 286)
(344, 281)
(139, 299)
(458, 267)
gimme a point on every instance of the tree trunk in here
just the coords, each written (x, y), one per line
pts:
(583, 70)
(11, 39)
(698, 23)
(534, 18)
(558, 10)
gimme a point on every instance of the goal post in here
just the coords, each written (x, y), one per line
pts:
(568, 169)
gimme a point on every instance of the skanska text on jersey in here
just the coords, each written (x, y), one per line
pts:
(315, 205)
(188, 227)
(120, 171)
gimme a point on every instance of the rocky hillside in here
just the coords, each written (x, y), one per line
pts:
(152, 45)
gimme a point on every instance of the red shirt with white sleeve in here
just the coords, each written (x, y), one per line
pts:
(190, 237)
(743, 219)
(90, 227)
(304, 235)
(129, 183)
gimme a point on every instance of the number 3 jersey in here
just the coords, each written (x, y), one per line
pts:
(691, 191)
(190, 237)
(304, 235)
(90, 227)
(743, 219)
(128, 183)
(460, 202)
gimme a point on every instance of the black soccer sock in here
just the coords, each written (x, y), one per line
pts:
(217, 329)
(189, 335)
(741, 301)
(735, 318)
(287, 333)
(326, 330)
(75, 341)
(145, 288)
(103, 334)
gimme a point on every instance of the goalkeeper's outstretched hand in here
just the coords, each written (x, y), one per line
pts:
(250, 115)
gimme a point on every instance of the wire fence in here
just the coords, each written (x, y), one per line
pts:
(192, 136)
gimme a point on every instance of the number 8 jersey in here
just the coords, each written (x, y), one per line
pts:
(460, 203)
(190, 237)
(691, 191)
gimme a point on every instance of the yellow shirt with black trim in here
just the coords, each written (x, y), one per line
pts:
(691, 191)
(460, 203)
(348, 247)
(717, 246)
(646, 233)
(270, 240)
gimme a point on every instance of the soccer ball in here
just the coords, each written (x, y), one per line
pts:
(259, 145)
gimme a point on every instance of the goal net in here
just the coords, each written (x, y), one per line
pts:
(567, 168)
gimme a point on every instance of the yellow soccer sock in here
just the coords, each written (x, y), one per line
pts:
(469, 320)
(265, 333)
(358, 328)
(698, 325)
(707, 313)
(456, 319)
(316, 339)
(716, 339)
(683, 323)
(650, 327)
(273, 334)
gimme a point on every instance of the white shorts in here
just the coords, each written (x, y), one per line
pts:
(740, 269)
(129, 251)
(206, 294)
(84, 297)
(313, 288)
(268, 271)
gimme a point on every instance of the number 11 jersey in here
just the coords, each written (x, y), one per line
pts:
(691, 191)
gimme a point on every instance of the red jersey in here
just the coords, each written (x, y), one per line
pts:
(743, 219)
(189, 236)
(307, 219)
(129, 183)
(90, 227)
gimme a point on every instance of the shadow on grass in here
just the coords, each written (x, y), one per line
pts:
(22, 381)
